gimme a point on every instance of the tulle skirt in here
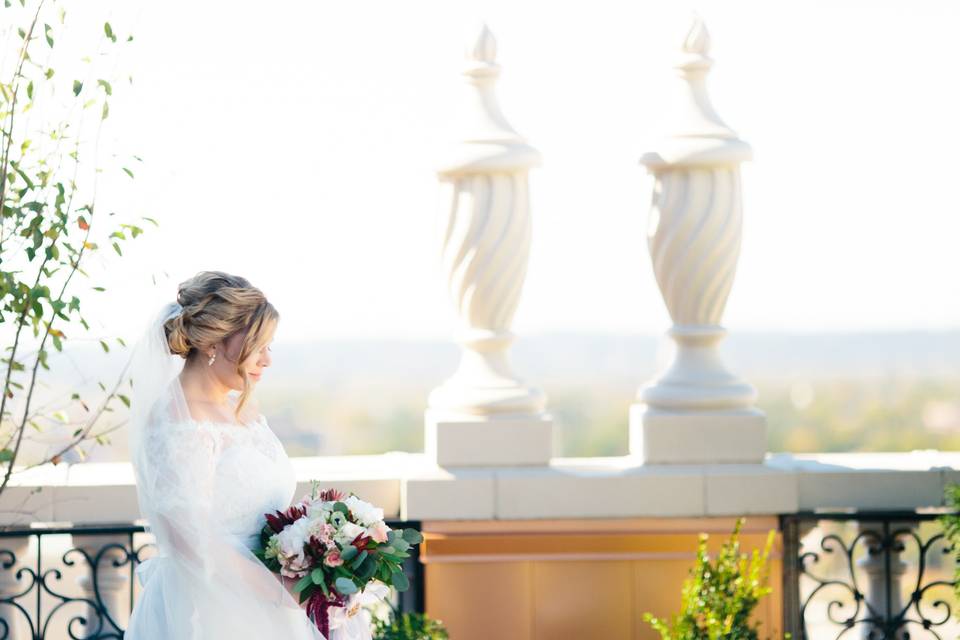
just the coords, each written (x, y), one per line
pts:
(173, 604)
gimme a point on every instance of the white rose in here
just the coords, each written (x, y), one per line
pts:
(348, 532)
(365, 512)
(320, 509)
(293, 538)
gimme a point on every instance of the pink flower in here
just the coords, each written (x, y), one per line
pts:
(379, 531)
(326, 534)
(333, 559)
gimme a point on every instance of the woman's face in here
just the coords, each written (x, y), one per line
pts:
(253, 365)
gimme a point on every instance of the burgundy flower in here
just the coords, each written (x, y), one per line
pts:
(315, 548)
(332, 495)
(283, 518)
(361, 542)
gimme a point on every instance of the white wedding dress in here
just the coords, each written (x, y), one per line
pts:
(204, 488)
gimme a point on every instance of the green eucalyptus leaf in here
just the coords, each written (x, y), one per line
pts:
(399, 580)
(359, 559)
(346, 586)
(412, 536)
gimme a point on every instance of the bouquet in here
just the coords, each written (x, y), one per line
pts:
(342, 554)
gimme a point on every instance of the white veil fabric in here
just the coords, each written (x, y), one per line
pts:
(204, 583)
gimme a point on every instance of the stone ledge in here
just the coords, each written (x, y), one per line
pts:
(410, 486)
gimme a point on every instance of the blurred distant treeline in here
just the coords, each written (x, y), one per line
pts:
(827, 415)
(833, 392)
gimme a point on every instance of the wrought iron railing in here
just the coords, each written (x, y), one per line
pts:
(36, 603)
(877, 576)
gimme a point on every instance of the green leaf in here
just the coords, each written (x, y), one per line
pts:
(317, 576)
(106, 348)
(346, 586)
(107, 29)
(47, 34)
(349, 553)
(341, 507)
(105, 111)
(49, 73)
(106, 86)
(400, 580)
(367, 569)
(116, 248)
(128, 172)
(77, 86)
(124, 399)
(396, 557)
(303, 583)
(30, 90)
(305, 595)
(359, 560)
(6, 455)
(412, 536)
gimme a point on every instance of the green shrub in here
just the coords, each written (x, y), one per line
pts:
(409, 626)
(719, 597)
(951, 529)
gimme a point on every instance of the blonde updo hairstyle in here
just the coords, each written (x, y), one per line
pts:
(217, 305)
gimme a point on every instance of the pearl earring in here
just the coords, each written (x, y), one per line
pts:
(212, 358)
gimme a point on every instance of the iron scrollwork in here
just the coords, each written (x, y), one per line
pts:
(889, 607)
(36, 601)
(86, 617)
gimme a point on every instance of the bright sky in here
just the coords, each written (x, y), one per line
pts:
(295, 143)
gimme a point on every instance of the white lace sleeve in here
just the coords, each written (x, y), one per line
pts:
(185, 459)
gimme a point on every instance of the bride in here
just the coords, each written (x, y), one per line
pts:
(208, 468)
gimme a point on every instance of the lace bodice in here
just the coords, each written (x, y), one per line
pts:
(242, 471)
